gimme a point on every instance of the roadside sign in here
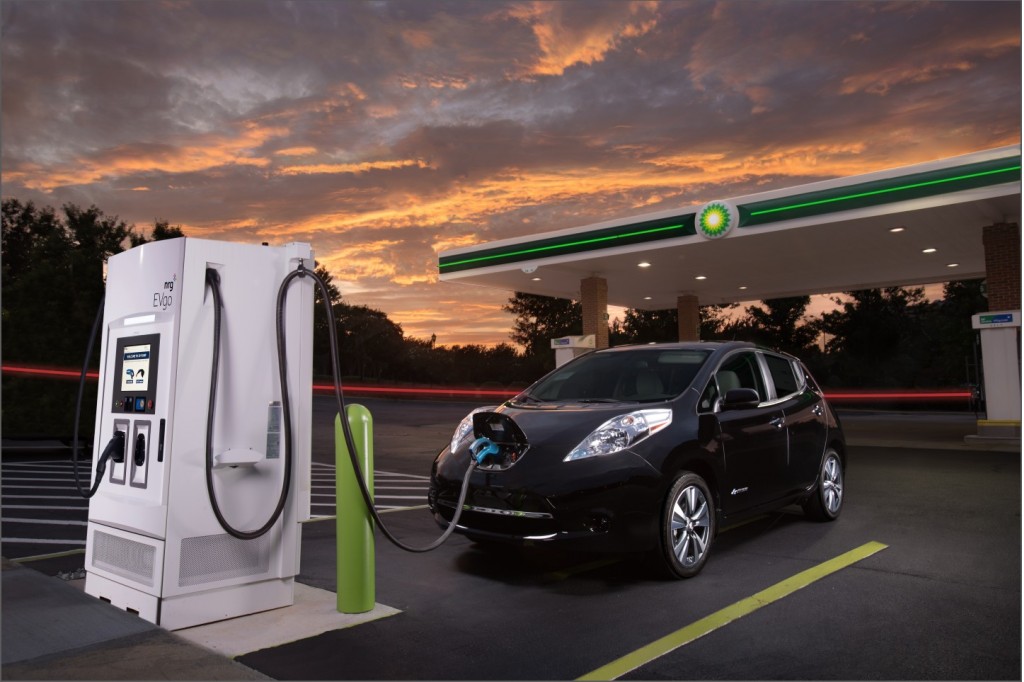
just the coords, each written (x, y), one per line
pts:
(996, 320)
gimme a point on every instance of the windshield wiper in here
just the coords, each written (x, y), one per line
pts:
(598, 400)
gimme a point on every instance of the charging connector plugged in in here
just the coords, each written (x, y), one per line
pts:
(484, 447)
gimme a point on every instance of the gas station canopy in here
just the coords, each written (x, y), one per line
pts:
(906, 226)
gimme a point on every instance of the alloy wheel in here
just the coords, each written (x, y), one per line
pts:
(832, 484)
(690, 526)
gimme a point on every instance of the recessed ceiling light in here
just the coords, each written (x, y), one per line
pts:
(952, 265)
(647, 298)
(536, 279)
(700, 277)
(644, 264)
(743, 288)
(896, 229)
(929, 250)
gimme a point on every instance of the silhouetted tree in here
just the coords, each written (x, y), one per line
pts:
(778, 323)
(52, 288)
(538, 319)
(646, 326)
(875, 338)
(163, 230)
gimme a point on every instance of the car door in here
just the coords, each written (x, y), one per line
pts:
(753, 439)
(804, 410)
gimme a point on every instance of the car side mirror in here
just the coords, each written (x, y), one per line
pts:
(741, 399)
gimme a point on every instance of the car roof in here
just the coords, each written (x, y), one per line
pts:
(683, 345)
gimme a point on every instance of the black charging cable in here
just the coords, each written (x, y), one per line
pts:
(213, 281)
(300, 272)
(115, 446)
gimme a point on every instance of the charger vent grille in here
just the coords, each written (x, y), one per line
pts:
(124, 557)
(211, 558)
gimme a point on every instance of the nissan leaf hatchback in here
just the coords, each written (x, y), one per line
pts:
(646, 448)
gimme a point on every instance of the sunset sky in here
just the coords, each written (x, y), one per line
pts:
(385, 132)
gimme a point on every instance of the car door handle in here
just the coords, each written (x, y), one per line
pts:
(778, 422)
(817, 410)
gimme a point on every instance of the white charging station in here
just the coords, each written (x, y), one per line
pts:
(568, 347)
(154, 545)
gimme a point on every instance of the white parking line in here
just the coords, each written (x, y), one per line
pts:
(45, 522)
(43, 541)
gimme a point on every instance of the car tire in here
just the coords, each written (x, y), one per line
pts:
(687, 526)
(826, 501)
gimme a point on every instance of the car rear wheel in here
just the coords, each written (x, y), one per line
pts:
(687, 526)
(826, 501)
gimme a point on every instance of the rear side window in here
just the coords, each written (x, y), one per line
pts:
(781, 371)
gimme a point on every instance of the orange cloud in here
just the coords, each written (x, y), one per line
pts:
(444, 243)
(563, 45)
(352, 167)
(198, 153)
(408, 280)
(881, 82)
(360, 261)
(478, 203)
(296, 151)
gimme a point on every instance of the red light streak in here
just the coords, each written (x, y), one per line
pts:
(897, 394)
(396, 390)
(49, 372)
(894, 394)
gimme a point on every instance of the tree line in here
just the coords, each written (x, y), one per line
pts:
(52, 282)
(874, 338)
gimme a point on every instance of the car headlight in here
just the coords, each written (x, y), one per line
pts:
(465, 427)
(620, 433)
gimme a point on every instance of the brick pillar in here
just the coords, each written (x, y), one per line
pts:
(594, 299)
(1002, 265)
(689, 318)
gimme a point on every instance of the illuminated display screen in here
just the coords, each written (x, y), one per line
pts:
(135, 368)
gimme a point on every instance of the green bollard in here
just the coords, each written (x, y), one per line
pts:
(354, 534)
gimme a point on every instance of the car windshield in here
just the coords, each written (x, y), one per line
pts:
(641, 375)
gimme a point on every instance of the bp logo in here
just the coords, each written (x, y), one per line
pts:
(716, 219)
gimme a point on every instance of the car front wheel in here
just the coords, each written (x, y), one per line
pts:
(687, 526)
(826, 501)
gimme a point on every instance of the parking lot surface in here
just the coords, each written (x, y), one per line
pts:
(934, 594)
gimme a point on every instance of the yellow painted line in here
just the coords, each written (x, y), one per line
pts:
(683, 636)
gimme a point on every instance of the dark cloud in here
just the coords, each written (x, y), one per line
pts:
(383, 132)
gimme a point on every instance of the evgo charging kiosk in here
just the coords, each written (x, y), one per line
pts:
(190, 387)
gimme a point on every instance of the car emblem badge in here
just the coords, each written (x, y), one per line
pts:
(737, 491)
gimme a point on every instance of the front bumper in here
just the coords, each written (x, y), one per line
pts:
(609, 503)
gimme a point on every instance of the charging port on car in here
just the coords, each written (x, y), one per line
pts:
(504, 433)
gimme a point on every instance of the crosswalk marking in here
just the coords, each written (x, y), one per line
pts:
(25, 488)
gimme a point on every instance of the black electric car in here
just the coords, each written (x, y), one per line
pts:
(646, 448)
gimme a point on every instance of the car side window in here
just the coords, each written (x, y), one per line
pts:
(781, 371)
(738, 371)
(741, 371)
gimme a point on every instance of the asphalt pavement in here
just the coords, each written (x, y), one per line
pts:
(936, 594)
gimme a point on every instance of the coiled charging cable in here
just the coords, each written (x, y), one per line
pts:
(301, 271)
(213, 281)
